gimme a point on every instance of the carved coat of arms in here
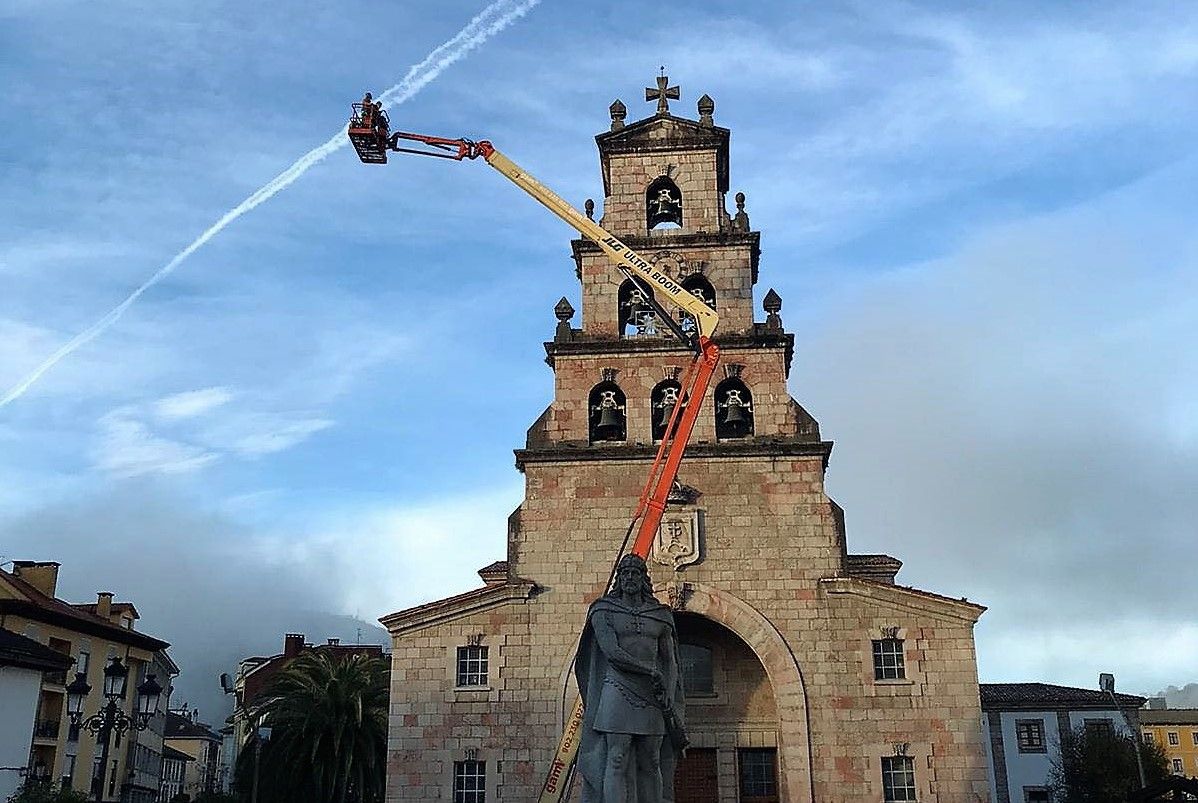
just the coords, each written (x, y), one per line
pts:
(678, 541)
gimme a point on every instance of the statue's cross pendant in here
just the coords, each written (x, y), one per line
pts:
(663, 94)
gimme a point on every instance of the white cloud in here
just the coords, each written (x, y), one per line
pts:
(382, 558)
(257, 434)
(192, 403)
(1010, 421)
(127, 448)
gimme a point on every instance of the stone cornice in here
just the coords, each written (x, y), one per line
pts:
(581, 345)
(646, 245)
(586, 453)
(442, 610)
(904, 596)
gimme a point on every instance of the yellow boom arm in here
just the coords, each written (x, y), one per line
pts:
(625, 258)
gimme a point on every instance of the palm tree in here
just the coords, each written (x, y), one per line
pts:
(328, 742)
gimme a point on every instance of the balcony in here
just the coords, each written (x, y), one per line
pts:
(46, 729)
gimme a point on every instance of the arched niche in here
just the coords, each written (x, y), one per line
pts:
(663, 204)
(733, 409)
(698, 286)
(662, 401)
(637, 317)
(607, 421)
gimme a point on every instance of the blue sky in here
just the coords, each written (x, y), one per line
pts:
(980, 221)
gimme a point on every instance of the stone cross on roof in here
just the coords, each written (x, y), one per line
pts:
(663, 94)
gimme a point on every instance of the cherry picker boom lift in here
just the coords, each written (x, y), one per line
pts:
(369, 131)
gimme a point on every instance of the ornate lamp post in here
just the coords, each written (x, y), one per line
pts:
(111, 718)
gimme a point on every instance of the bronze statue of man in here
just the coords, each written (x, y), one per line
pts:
(631, 687)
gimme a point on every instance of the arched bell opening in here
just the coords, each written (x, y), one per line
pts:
(733, 409)
(698, 286)
(662, 400)
(637, 316)
(608, 421)
(663, 204)
(731, 717)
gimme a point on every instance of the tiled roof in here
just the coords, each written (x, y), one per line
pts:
(181, 727)
(19, 651)
(117, 607)
(1169, 716)
(37, 605)
(1003, 696)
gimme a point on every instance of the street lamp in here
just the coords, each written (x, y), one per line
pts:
(111, 718)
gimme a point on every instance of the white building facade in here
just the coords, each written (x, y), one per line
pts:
(22, 664)
(1025, 722)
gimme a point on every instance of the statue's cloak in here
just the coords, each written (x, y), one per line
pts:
(590, 669)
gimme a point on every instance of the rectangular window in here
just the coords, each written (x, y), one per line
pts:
(68, 770)
(1178, 769)
(1035, 794)
(1095, 726)
(1029, 733)
(898, 778)
(888, 659)
(1174, 741)
(470, 781)
(758, 774)
(697, 676)
(472, 666)
(1149, 738)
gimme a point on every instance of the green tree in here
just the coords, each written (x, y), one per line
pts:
(328, 741)
(35, 792)
(1098, 765)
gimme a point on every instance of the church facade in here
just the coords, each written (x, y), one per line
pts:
(810, 674)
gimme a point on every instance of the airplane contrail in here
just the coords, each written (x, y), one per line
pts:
(488, 22)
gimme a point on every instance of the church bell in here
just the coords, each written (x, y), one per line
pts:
(610, 426)
(738, 416)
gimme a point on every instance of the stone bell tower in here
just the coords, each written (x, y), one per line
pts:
(810, 675)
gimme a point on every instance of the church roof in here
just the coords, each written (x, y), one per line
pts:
(458, 605)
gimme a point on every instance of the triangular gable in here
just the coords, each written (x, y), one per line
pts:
(664, 132)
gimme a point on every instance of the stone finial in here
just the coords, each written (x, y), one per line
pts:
(706, 110)
(563, 309)
(773, 305)
(589, 207)
(618, 112)
(564, 312)
(741, 221)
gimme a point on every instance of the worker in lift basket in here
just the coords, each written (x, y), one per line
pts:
(380, 122)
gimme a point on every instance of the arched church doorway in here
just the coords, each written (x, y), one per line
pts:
(731, 718)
